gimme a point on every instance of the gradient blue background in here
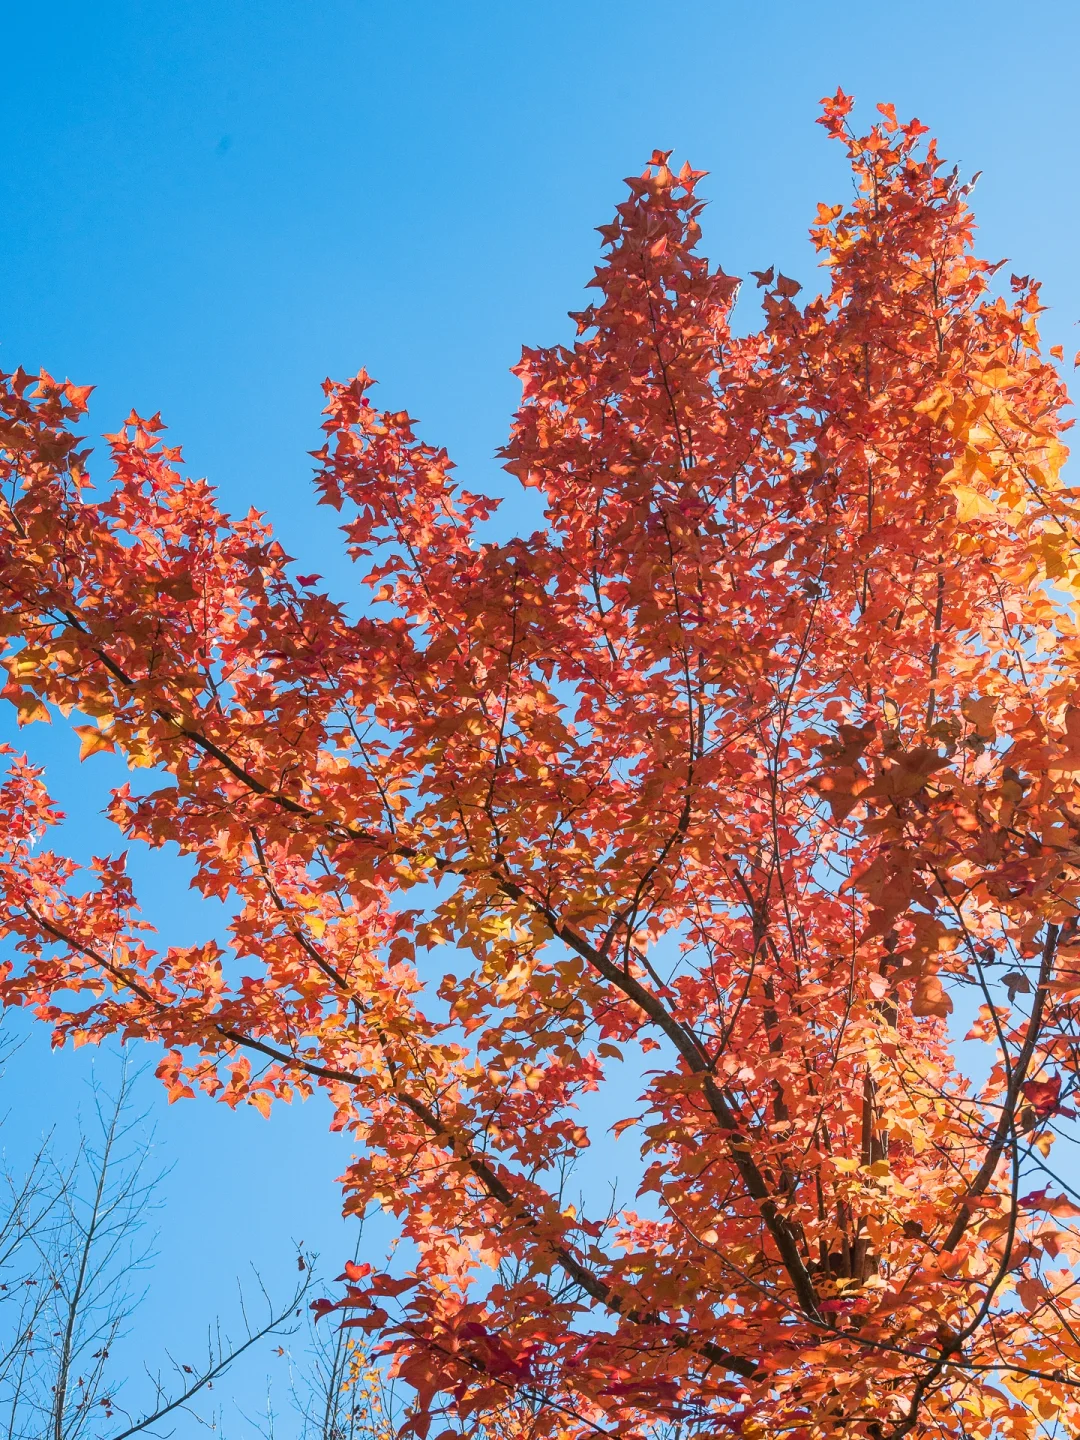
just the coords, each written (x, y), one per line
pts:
(205, 208)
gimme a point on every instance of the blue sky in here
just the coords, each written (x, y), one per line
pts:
(208, 207)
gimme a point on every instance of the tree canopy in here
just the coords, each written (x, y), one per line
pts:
(743, 774)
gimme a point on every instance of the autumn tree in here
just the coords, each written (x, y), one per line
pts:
(756, 760)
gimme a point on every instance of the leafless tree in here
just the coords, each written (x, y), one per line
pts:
(335, 1391)
(74, 1243)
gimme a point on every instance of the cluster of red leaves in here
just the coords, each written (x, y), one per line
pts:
(761, 747)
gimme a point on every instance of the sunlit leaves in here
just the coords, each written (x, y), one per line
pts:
(724, 791)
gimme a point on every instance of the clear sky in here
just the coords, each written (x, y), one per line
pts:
(208, 207)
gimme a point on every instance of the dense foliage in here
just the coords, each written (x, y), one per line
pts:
(754, 760)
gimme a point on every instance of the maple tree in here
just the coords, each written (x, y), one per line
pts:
(738, 775)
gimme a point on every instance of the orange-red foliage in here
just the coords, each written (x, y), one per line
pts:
(760, 754)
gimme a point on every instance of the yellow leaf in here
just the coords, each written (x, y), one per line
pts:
(30, 708)
(935, 403)
(92, 740)
(971, 505)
